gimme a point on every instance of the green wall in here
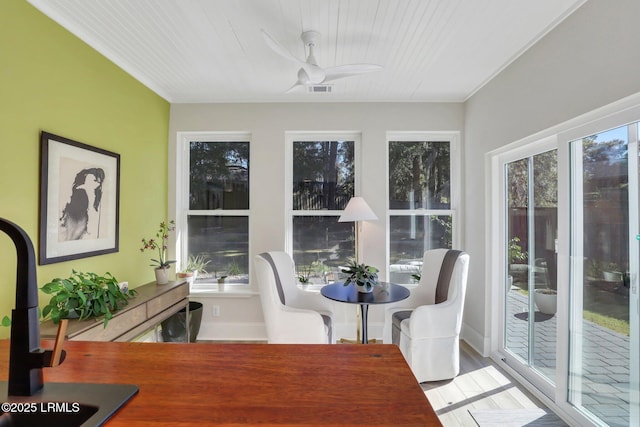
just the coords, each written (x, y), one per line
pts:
(50, 80)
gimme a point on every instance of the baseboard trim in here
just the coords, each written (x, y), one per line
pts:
(214, 331)
(476, 340)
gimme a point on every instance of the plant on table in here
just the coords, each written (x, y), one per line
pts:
(362, 275)
(85, 294)
(160, 244)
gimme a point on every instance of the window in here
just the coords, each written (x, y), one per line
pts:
(322, 180)
(213, 220)
(422, 195)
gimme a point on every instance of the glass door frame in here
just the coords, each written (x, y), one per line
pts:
(631, 119)
(499, 237)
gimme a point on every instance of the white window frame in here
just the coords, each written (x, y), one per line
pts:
(182, 210)
(298, 136)
(453, 137)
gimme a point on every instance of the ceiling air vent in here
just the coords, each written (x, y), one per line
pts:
(319, 88)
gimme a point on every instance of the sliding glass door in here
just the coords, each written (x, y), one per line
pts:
(566, 242)
(603, 312)
(530, 303)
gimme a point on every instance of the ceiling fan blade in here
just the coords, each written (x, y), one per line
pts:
(303, 80)
(294, 87)
(340, 71)
(279, 49)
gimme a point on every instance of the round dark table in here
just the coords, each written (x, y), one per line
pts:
(384, 293)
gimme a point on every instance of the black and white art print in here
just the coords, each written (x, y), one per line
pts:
(79, 200)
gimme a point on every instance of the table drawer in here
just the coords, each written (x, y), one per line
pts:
(167, 299)
(116, 327)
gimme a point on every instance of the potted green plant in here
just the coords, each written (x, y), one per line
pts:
(518, 258)
(195, 265)
(303, 278)
(365, 277)
(516, 254)
(304, 275)
(84, 295)
(188, 275)
(160, 244)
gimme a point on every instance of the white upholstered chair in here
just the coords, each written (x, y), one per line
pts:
(426, 326)
(291, 315)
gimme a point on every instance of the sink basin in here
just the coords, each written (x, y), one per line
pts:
(68, 404)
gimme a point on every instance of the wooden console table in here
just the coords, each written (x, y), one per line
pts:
(152, 304)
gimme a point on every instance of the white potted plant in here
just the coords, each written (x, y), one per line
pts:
(159, 243)
(546, 300)
(365, 277)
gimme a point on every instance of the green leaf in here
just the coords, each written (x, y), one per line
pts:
(68, 285)
(6, 321)
(51, 287)
(55, 316)
(73, 304)
(82, 297)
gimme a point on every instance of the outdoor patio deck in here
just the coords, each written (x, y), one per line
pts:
(605, 385)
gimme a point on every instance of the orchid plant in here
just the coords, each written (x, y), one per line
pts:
(159, 243)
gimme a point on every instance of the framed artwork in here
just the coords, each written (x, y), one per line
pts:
(79, 200)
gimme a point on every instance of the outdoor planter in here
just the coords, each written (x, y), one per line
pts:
(546, 300)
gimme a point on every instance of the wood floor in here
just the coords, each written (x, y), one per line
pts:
(480, 385)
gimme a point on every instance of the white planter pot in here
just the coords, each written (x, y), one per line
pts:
(364, 290)
(547, 303)
(162, 275)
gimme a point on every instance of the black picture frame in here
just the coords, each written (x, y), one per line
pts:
(79, 200)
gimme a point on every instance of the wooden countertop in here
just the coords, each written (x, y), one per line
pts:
(235, 384)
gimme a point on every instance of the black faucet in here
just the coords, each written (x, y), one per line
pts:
(26, 358)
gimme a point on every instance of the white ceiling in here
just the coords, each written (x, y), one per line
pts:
(213, 50)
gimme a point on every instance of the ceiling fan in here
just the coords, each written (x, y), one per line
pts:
(310, 73)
